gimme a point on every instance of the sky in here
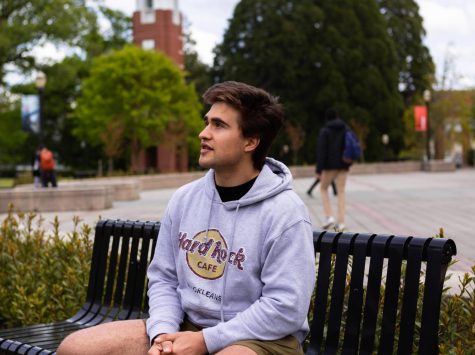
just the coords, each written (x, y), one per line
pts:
(449, 25)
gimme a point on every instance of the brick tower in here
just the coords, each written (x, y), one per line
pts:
(157, 25)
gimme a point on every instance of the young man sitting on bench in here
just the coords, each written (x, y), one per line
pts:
(234, 266)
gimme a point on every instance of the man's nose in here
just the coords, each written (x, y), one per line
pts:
(204, 133)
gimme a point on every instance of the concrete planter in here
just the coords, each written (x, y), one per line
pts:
(57, 199)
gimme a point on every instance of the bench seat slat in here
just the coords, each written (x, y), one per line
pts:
(391, 294)
(439, 253)
(91, 289)
(361, 243)
(122, 275)
(378, 246)
(29, 332)
(113, 256)
(414, 253)
(96, 312)
(142, 264)
(338, 292)
(132, 271)
(323, 243)
(155, 230)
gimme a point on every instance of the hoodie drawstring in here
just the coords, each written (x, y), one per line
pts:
(230, 248)
(209, 216)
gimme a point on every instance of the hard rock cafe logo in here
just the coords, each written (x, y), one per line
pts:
(207, 254)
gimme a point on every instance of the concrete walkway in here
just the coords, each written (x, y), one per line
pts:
(415, 203)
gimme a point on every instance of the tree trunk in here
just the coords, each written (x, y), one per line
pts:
(439, 142)
(110, 166)
(136, 158)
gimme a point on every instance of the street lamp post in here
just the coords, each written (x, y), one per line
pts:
(385, 141)
(427, 97)
(40, 83)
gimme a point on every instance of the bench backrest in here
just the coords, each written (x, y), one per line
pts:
(121, 253)
(367, 282)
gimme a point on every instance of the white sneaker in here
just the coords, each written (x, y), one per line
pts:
(339, 227)
(330, 222)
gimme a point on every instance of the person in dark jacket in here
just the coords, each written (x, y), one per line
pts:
(35, 168)
(331, 167)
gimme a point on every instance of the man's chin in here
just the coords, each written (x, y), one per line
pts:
(204, 164)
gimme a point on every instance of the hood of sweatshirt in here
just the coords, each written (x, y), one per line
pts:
(273, 179)
(337, 124)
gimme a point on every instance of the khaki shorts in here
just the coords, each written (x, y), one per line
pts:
(288, 345)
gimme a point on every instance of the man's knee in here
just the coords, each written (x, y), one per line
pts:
(72, 344)
(119, 337)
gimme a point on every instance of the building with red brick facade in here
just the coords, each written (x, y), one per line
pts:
(157, 25)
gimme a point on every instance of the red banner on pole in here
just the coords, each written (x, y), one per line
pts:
(420, 118)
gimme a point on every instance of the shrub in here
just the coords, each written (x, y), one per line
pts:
(24, 177)
(457, 318)
(43, 275)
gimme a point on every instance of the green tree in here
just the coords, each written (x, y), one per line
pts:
(314, 55)
(451, 120)
(58, 100)
(27, 24)
(367, 60)
(134, 96)
(60, 95)
(95, 41)
(406, 28)
(12, 137)
(64, 82)
(272, 44)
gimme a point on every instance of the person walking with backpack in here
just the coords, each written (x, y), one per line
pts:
(332, 167)
(47, 165)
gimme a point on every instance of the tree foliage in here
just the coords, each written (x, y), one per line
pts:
(138, 94)
(95, 41)
(11, 135)
(315, 55)
(60, 95)
(450, 119)
(405, 27)
(27, 24)
(63, 85)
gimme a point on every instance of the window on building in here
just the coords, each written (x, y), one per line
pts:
(148, 44)
(149, 4)
(147, 16)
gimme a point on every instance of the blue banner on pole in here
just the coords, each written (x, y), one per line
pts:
(30, 113)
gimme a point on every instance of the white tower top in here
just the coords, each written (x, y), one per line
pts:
(148, 7)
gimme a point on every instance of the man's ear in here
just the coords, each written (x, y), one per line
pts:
(251, 144)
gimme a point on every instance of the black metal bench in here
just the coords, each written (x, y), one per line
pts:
(342, 322)
(392, 310)
(117, 287)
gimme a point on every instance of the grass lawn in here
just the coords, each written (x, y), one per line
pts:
(6, 183)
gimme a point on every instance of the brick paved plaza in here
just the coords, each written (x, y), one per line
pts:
(412, 203)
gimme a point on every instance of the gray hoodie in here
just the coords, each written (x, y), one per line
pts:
(242, 269)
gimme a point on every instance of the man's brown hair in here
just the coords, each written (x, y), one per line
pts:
(261, 114)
